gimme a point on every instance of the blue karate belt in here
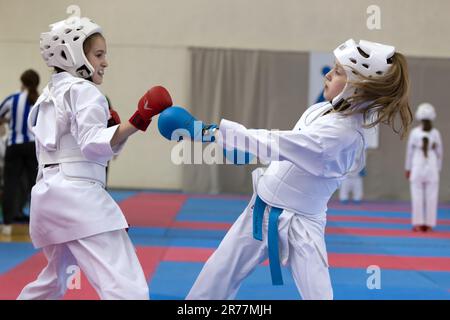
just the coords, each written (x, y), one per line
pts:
(274, 257)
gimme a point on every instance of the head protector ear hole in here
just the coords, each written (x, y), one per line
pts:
(365, 65)
(379, 73)
(353, 60)
(363, 53)
(63, 54)
(389, 60)
(76, 38)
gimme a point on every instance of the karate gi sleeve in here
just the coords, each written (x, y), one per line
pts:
(89, 123)
(322, 150)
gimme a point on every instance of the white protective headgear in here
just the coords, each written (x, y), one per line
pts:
(370, 59)
(425, 111)
(62, 46)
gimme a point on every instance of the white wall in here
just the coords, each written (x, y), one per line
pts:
(148, 41)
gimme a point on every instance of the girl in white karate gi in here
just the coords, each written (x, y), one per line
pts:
(423, 165)
(73, 219)
(287, 214)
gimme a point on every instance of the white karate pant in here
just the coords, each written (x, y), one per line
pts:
(353, 185)
(424, 198)
(302, 248)
(108, 260)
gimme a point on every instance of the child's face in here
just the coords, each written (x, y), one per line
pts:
(96, 55)
(335, 81)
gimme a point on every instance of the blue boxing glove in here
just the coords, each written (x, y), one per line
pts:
(175, 123)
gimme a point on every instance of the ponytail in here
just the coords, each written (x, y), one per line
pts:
(30, 80)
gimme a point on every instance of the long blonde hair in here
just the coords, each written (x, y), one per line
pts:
(383, 99)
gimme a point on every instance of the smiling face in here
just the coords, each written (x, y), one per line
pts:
(95, 51)
(335, 81)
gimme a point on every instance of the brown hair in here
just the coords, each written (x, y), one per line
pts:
(425, 143)
(385, 99)
(30, 80)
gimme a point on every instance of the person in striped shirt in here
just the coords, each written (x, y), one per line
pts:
(20, 167)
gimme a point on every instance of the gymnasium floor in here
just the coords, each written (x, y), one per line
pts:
(175, 233)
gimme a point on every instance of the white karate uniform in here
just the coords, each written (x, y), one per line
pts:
(72, 216)
(307, 166)
(424, 176)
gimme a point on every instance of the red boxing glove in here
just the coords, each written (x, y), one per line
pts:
(114, 119)
(154, 101)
